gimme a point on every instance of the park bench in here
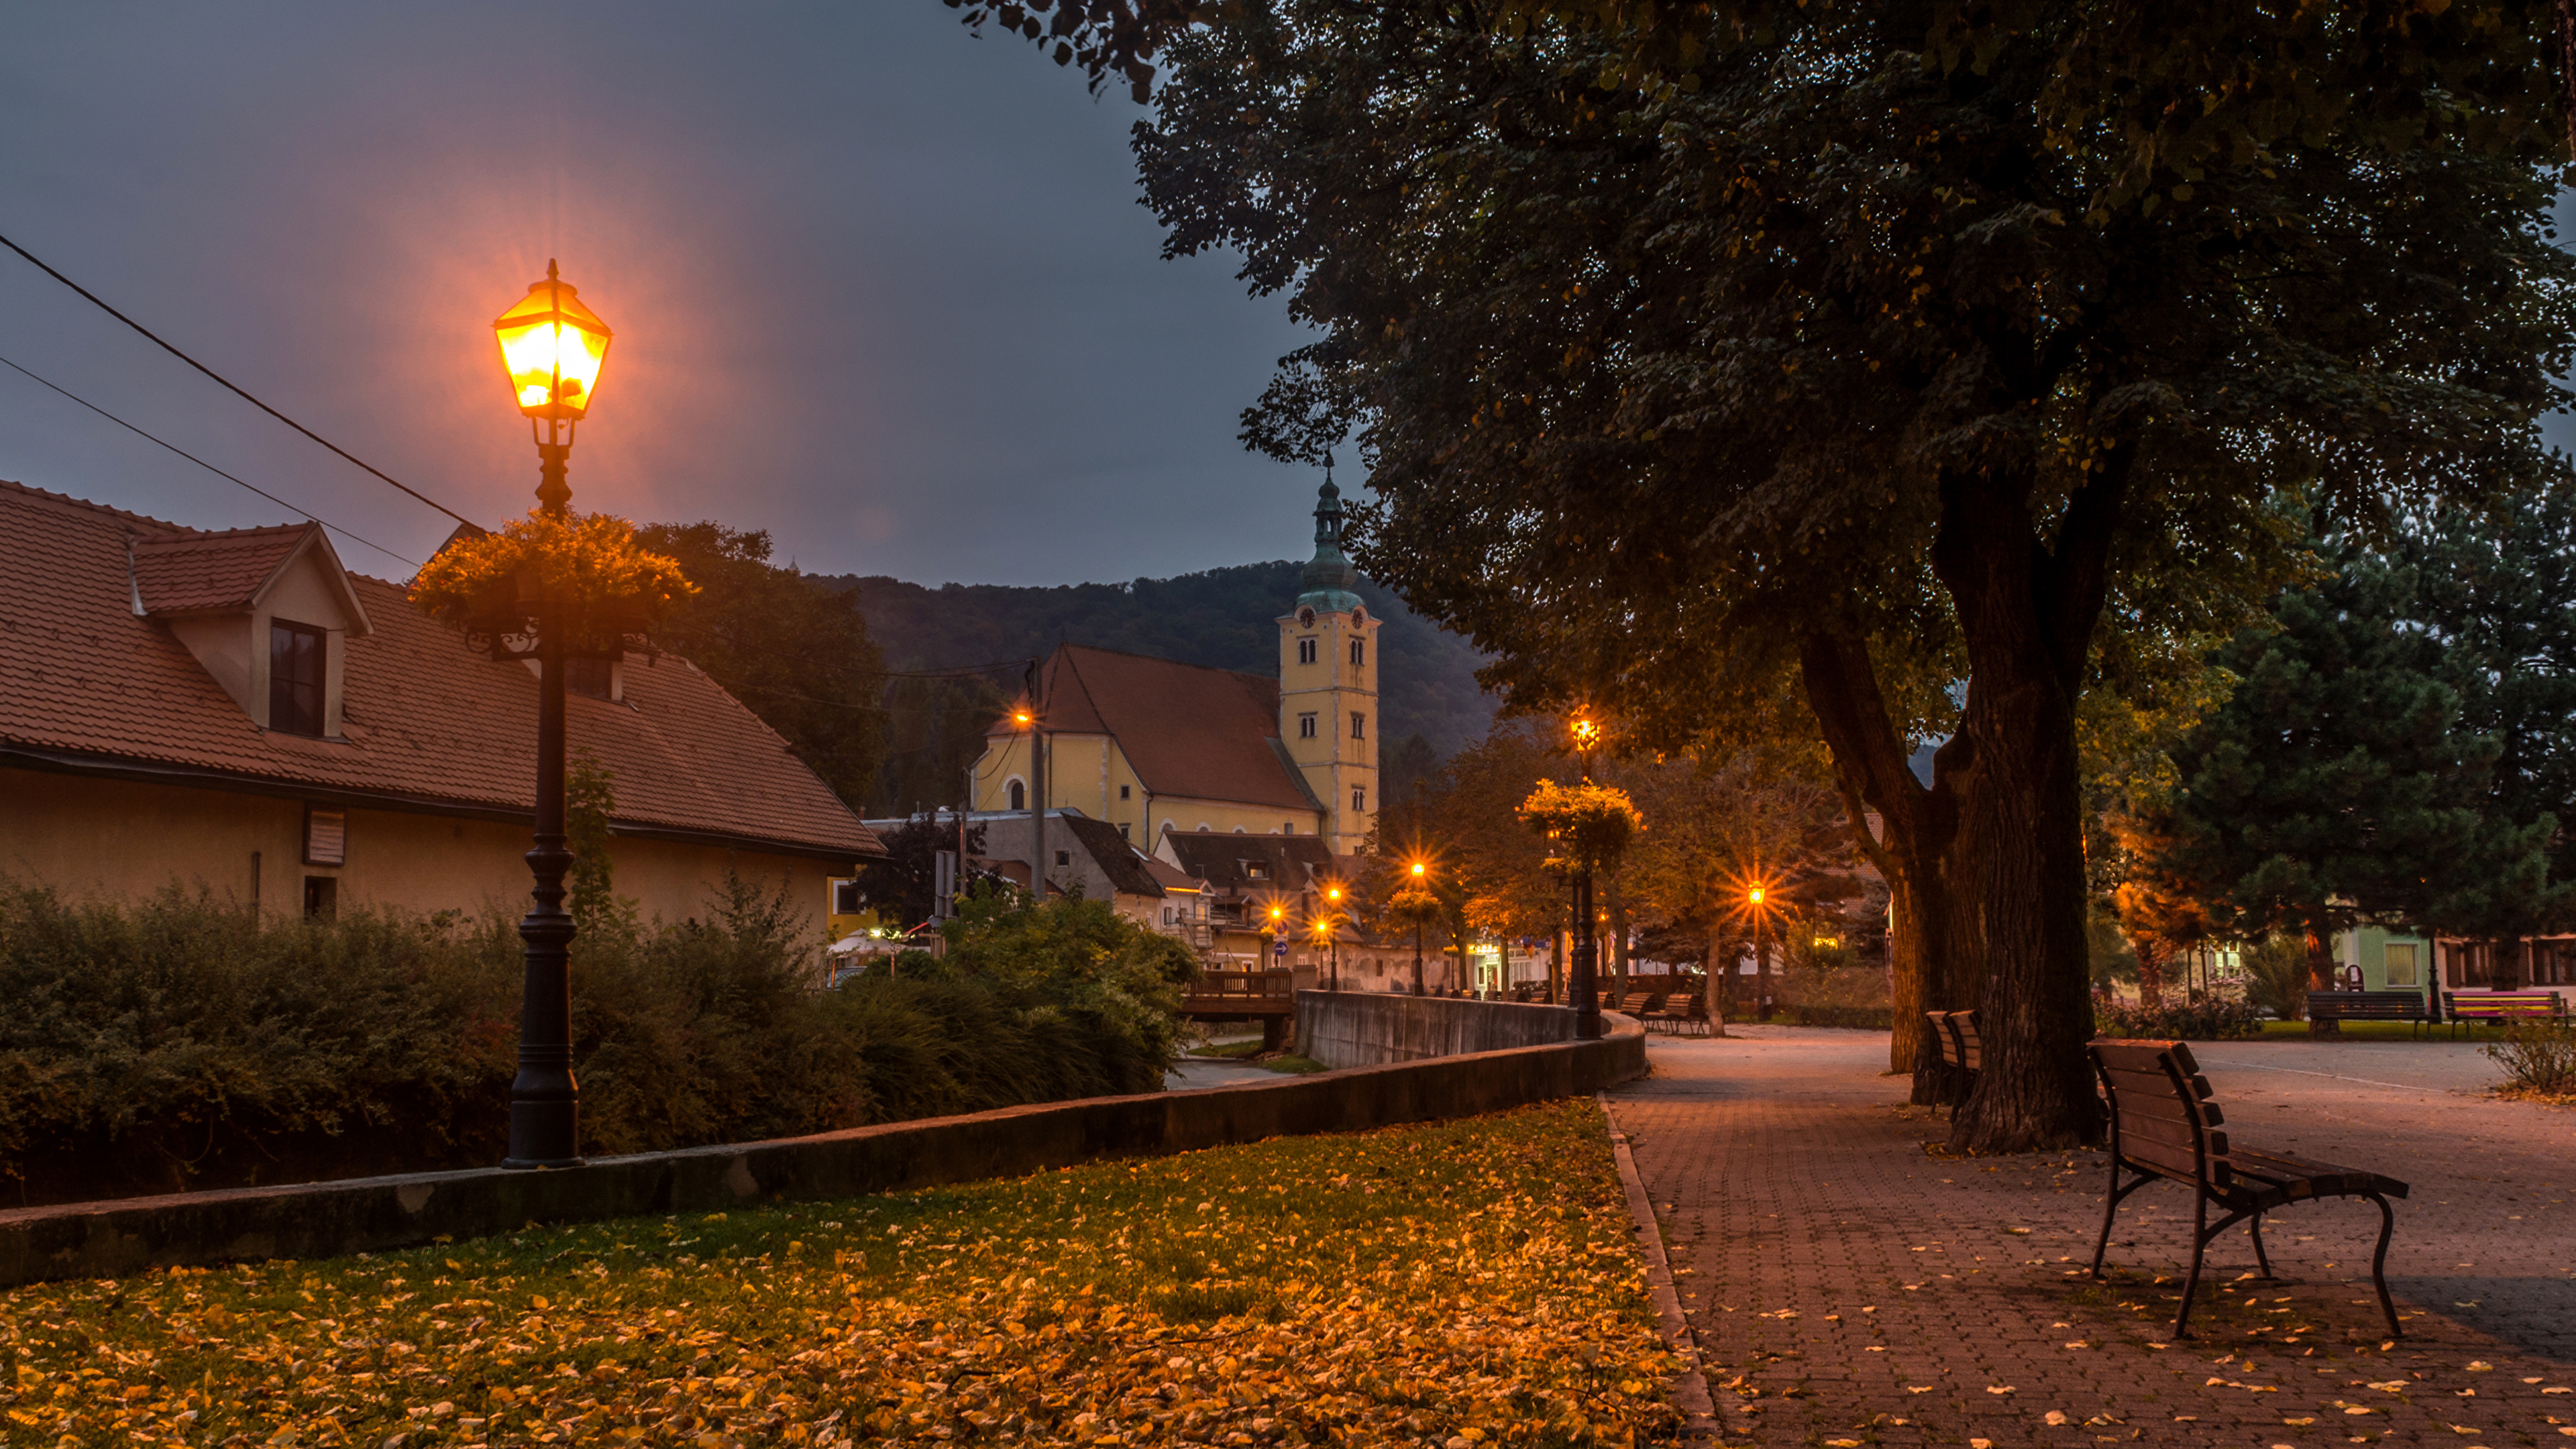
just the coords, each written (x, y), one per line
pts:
(2503, 1006)
(1690, 1018)
(2165, 1127)
(2406, 1006)
(1960, 1048)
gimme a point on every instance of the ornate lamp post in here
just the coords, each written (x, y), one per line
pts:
(552, 347)
(1584, 985)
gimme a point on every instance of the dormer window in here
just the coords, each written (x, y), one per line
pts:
(268, 613)
(298, 665)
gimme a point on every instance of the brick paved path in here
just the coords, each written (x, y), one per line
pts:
(1849, 1287)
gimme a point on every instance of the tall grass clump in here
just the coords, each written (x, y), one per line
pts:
(178, 1043)
(2539, 1058)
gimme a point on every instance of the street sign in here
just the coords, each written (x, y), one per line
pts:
(1279, 949)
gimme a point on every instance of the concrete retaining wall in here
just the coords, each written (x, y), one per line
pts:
(1369, 1028)
(319, 1220)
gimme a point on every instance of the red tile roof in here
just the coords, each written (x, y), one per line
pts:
(84, 681)
(212, 570)
(1187, 730)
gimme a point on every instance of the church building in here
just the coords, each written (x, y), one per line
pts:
(1154, 746)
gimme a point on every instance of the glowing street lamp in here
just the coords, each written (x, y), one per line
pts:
(1325, 929)
(552, 347)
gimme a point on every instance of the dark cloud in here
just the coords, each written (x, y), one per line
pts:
(880, 287)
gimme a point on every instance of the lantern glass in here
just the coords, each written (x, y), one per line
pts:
(553, 348)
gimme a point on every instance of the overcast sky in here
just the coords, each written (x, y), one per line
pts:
(879, 287)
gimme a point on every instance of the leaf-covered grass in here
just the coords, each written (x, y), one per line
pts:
(1466, 1281)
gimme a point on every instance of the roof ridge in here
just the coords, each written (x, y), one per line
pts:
(1175, 663)
(226, 535)
(91, 506)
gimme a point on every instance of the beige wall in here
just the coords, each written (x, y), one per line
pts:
(1086, 772)
(122, 839)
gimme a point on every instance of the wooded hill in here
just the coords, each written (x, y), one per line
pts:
(1221, 618)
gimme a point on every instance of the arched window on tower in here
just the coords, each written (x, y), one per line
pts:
(1019, 796)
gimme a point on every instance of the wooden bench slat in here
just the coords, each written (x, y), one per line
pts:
(2156, 1085)
(2166, 1107)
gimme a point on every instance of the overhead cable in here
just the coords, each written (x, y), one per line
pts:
(209, 467)
(236, 390)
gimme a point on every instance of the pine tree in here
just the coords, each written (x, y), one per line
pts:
(2339, 783)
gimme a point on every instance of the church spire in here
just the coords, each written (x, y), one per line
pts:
(1330, 576)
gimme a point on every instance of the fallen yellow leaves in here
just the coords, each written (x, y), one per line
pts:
(1469, 1284)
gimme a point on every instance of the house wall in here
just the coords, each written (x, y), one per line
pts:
(2367, 947)
(126, 839)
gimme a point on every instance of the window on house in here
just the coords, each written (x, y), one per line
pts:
(1359, 650)
(1019, 796)
(1256, 870)
(1305, 651)
(297, 654)
(321, 898)
(1359, 797)
(2399, 960)
(1064, 857)
(845, 898)
(1123, 791)
(1305, 726)
(326, 837)
(1359, 725)
(589, 678)
(1122, 831)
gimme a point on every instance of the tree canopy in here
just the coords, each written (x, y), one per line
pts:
(793, 649)
(1850, 362)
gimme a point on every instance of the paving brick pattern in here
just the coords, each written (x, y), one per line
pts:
(1849, 1286)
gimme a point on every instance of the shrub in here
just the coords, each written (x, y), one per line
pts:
(2208, 1019)
(175, 1043)
(2276, 976)
(2538, 1057)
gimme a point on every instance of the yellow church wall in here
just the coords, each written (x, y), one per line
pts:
(125, 840)
(1086, 772)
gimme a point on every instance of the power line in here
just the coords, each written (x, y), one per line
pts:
(209, 467)
(237, 391)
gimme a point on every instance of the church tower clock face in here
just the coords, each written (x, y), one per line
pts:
(1328, 692)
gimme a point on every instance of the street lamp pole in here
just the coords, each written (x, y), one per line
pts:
(1584, 989)
(553, 347)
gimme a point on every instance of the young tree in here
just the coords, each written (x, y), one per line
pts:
(1721, 826)
(1841, 358)
(906, 882)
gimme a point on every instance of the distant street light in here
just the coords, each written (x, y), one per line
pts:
(553, 348)
(1329, 927)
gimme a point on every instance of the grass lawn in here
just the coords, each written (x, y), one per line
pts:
(1468, 1283)
(2393, 1030)
(1244, 1048)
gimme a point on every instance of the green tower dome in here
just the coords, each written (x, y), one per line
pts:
(1330, 575)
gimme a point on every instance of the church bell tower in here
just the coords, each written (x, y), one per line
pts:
(1328, 713)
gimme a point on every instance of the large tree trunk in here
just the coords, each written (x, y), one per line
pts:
(2321, 972)
(2027, 598)
(1934, 959)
